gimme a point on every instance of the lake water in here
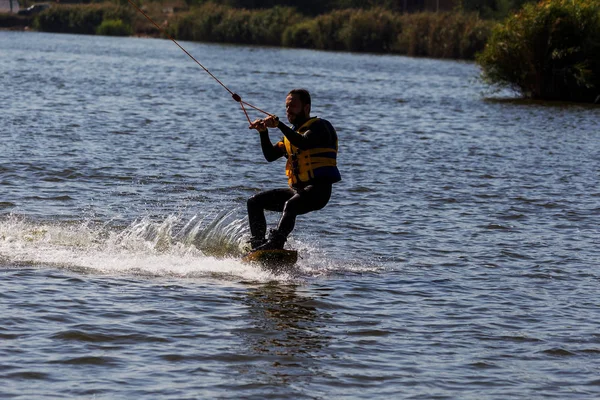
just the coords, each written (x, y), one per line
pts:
(458, 259)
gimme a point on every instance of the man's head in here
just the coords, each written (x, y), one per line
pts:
(297, 106)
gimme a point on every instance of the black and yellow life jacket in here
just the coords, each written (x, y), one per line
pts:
(309, 165)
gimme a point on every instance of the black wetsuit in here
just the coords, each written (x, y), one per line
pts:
(303, 197)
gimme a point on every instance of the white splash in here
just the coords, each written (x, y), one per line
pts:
(144, 248)
(206, 245)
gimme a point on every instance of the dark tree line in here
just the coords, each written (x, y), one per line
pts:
(485, 8)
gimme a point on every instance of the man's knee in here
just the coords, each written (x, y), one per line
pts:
(292, 206)
(253, 203)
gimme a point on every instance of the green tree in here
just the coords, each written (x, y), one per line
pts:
(496, 9)
(549, 50)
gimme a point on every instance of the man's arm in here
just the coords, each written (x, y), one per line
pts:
(271, 151)
(303, 141)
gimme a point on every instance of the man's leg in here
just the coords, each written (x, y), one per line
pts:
(271, 200)
(311, 198)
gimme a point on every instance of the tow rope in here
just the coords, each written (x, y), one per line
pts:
(235, 96)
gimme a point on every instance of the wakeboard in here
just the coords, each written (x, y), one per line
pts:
(272, 259)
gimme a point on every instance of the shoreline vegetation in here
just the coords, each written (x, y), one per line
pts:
(452, 34)
(548, 50)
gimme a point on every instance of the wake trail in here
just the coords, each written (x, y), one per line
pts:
(207, 245)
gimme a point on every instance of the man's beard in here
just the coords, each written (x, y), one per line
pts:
(298, 118)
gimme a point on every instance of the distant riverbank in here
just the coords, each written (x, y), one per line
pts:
(453, 35)
(545, 51)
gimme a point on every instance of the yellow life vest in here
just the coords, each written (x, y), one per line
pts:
(305, 165)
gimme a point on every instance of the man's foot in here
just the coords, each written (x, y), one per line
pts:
(275, 242)
(255, 242)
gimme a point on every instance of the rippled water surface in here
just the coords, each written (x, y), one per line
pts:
(457, 259)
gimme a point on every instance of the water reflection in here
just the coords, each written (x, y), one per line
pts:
(285, 330)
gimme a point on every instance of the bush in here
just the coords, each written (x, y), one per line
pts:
(14, 20)
(372, 30)
(268, 26)
(232, 27)
(493, 9)
(442, 35)
(474, 37)
(298, 35)
(325, 30)
(413, 40)
(216, 23)
(549, 51)
(199, 24)
(84, 19)
(114, 27)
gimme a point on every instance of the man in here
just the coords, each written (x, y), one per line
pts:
(310, 147)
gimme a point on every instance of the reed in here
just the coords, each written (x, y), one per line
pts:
(216, 23)
(83, 19)
(443, 35)
(374, 30)
(114, 27)
(326, 29)
(298, 35)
